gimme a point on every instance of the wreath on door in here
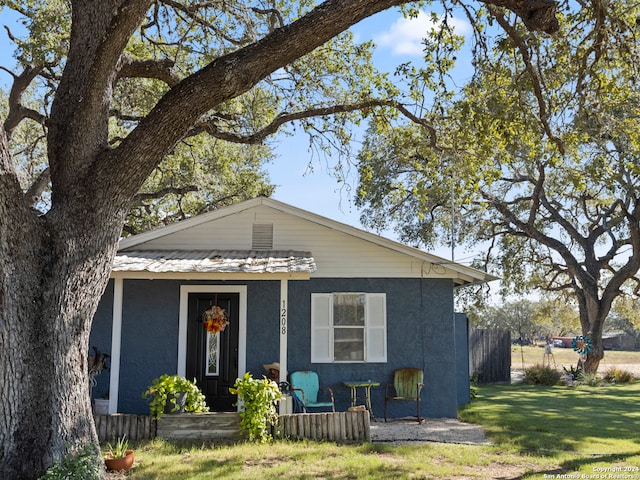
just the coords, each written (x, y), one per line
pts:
(215, 319)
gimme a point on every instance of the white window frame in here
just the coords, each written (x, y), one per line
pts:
(322, 328)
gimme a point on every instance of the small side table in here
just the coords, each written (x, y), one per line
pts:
(366, 384)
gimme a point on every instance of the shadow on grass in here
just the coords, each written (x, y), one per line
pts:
(548, 420)
(600, 467)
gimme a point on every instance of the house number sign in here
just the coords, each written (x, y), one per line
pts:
(283, 318)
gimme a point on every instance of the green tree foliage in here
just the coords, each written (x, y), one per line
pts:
(539, 152)
(528, 319)
(221, 159)
(556, 317)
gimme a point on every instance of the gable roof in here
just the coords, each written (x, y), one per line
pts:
(461, 274)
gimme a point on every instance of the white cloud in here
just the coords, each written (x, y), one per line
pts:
(405, 35)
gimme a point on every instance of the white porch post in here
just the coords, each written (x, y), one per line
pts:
(283, 326)
(116, 338)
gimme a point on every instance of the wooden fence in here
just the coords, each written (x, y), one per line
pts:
(135, 427)
(338, 427)
(490, 355)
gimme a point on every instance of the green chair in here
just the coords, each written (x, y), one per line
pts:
(407, 384)
(306, 386)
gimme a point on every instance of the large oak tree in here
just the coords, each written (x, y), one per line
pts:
(55, 259)
(539, 153)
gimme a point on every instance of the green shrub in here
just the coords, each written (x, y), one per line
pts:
(616, 375)
(572, 372)
(473, 386)
(258, 399)
(81, 463)
(589, 379)
(541, 375)
(168, 388)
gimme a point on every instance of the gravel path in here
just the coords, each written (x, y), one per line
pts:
(444, 430)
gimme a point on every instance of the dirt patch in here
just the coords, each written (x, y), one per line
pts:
(444, 430)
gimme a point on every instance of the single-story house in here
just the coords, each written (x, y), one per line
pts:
(296, 288)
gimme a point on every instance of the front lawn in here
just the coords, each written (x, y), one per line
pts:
(537, 431)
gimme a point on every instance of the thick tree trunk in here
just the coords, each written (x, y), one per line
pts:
(592, 316)
(52, 284)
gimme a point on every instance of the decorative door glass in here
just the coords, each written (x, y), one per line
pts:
(213, 348)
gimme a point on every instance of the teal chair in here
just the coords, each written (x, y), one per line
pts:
(407, 384)
(306, 386)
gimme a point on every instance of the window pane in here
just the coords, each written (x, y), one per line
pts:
(213, 347)
(348, 309)
(348, 344)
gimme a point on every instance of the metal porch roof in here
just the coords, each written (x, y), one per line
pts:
(214, 261)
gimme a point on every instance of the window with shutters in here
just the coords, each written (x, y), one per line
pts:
(348, 327)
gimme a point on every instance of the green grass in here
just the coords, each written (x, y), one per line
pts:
(547, 420)
(306, 460)
(536, 431)
(566, 356)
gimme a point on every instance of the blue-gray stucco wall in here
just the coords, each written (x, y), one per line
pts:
(100, 338)
(462, 358)
(420, 333)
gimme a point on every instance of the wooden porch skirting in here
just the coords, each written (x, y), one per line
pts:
(200, 426)
(337, 427)
(135, 427)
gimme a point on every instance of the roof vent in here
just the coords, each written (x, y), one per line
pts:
(262, 236)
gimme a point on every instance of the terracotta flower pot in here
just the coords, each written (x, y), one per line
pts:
(120, 463)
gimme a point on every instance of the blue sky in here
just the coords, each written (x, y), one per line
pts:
(398, 40)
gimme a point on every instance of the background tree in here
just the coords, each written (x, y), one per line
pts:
(625, 317)
(207, 68)
(516, 317)
(529, 320)
(540, 152)
(557, 316)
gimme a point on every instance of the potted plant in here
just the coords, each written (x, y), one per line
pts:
(119, 457)
(174, 394)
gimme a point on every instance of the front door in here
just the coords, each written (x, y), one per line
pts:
(212, 358)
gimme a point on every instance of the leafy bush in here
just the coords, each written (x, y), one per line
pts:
(616, 375)
(81, 463)
(473, 386)
(169, 388)
(572, 372)
(258, 398)
(589, 379)
(541, 375)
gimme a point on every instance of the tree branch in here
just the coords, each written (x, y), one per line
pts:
(157, 69)
(532, 73)
(139, 198)
(537, 15)
(34, 193)
(209, 126)
(17, 112)
(225, 78)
